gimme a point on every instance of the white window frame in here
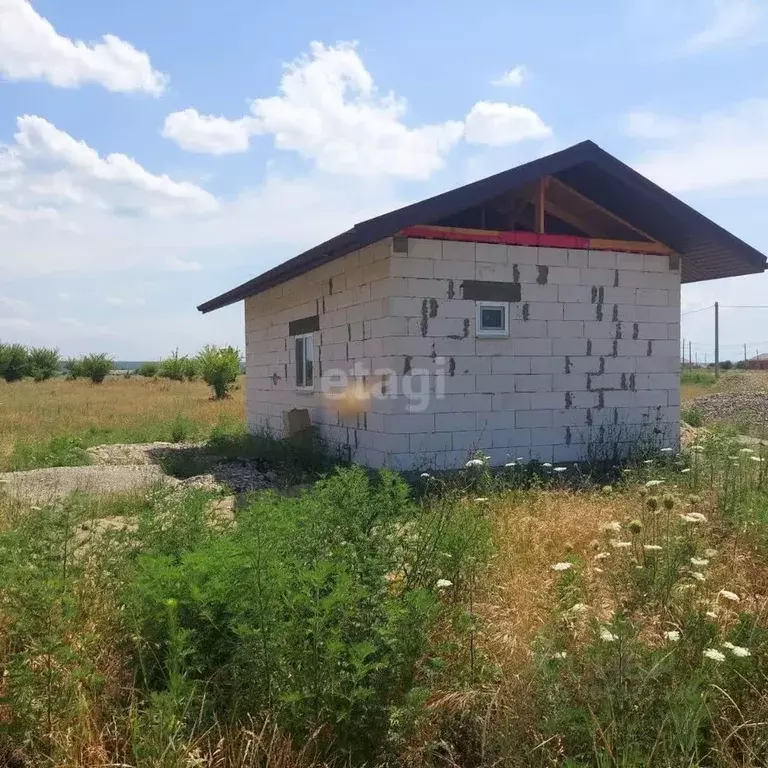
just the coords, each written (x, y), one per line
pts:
(303, 337)
(491, 333)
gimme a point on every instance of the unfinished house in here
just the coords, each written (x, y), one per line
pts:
(533, 314)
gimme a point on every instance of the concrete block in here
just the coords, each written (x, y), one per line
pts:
(527, 419)
(564, 276)
(555, 364)
(653, 330)
(619, 398)
(470, 440)
(510, 438)
(546, 311)
(404, 306)
(565, 329)
(599, 277)
(669, 348)
(494, 272)
(491, 252)
(455, 307)
(506, 402)
(651, 398)
(463, 403)
(537, 383)
(502, 346)
(547, 436)
(522, 254)
(373, 347)
(570, 382)
(401, 345)
(568, 453)
(574, 294)
(496, 419)
(534, 293)
(454, 347)
(408, 266)
(445, 422)
(621, 295)
(602, 329)
(431, 442)
(473, 364)
(553, 257)
(458, 251)
(583, 311)
(425, 249)
(461, 384)
(652, 297)
(454, 270)
(408, 423)
(578, 258)
(426, 288)
(603, 259)
(663, 381)
(512, 364)
(655, 263)
(571, 347)
(569, 417)
(547, 400)
(629, 262)
(496, 383)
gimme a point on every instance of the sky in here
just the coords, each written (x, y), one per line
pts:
(154, 155)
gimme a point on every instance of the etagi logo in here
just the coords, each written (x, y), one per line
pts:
(353, 391)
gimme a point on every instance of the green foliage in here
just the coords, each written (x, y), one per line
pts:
(57, 452)
(692, 417)
(73, 368)
(148, 370)
(96, 366)
(177, 367)
(726, 365)
(14, 362)
(697, 376)
(44, 363)
(317, 609)
(219, 367)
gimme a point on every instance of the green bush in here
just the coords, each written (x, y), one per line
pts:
(697, 376)
(692, 417)
(73, 368)
(148, 370)
(14, 362)
(219, 367)
(319, 609)
(95, 367)
(177, 367)
(44, 363)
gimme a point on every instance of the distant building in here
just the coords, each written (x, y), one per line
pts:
(757, 363)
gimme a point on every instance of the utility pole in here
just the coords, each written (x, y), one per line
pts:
(690, 358)
(682, 356)
(745, 355)
(717, 340)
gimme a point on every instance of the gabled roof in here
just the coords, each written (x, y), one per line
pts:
(708, 251)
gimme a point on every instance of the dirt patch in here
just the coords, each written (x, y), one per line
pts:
(740, 407)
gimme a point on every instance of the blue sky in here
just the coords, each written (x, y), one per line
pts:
(153, 155)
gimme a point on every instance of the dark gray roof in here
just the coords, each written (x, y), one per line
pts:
(708, 251)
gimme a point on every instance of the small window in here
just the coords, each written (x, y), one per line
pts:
(305, 361)
(492, 318)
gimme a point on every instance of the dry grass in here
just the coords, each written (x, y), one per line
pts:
(729, 381)
(130, 410)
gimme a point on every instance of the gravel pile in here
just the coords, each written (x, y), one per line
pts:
(734, 406)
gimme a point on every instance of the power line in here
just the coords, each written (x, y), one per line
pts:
(694, 311)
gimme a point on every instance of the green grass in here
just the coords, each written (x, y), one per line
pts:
(697, 376)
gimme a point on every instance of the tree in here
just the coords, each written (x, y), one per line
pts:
(44, 363)
(219, 367)
(14, 362)
(148, 370)
(96, 366)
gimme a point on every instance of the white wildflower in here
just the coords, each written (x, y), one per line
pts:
(487, 458)
(510, 464)
(621, 544)
(520, 458)
(426, 475)
(673, 635)
(697, 448)
(714, 654)
(626, 471)
(559, 655)
(711, 614)
(756, 458)
(693, 517)
(699, 562)
(685, 471)
(667, 450)
(648, 461)
(652, 547)
(481, 499)
(653, 483)
(602, 555)
(746, 450)
(737, 650)
(36, 509)
(710, 553)
(732, 596)
(614, 525)
(562, 566)
(607, 636)
(698, 576)
(547, 465)
(475, 463)
(560, 469)
(597, 570)
(578, 608)
(443, 583)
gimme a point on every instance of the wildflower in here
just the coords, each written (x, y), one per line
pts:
(652, 547)
(728, 595)
(710, 553)
(698, 576)
(673, 635)
(426, 475)
(621, 544)
(481, 499)
(607, 636)
(694, 517)
(685, 471)
(597, 570)
(443, 583)
(711, 614)
(626, 471)
(607, 489)
(562, 566)
(602, 555)
(510, 464)
(733, 458)
(578, 608)
(667, 450)
(36, 509)
(635, 526)
(714, 654)
(648, 461)
(652, 503)
(547, 465)
(653, 483)
(746, 450)
(487, 458)
(668, 502)
(693, 499)
(756, 458)
(559, 655)
(737, 650)
(614, 525)
(475, 463)
(699, 562)
(520, 459)
(697, 448)
(560, 469)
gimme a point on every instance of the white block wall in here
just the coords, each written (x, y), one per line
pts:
(590, 367)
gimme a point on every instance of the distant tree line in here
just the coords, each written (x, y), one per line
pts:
(219, 367)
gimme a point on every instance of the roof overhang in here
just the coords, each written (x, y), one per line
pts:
(708, 251)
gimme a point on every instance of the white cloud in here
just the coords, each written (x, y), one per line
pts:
(721, 151)
(179, 265)
(330, 112)
(497, 124)
(120, 301)
(732, 22)
(642, 124)
(46, 175)
(514, 78)
(206, 133)
(15, 305)
(31, 49)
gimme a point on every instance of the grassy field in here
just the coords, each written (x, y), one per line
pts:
(48, 423)
(517, 617)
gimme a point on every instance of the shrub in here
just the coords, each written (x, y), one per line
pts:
(692, 417)
(148, 370)
(219, 367)
(14, 362)
(697, 376)
(96, 366)
(177, 367)
(44, 363)
(73, 368)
